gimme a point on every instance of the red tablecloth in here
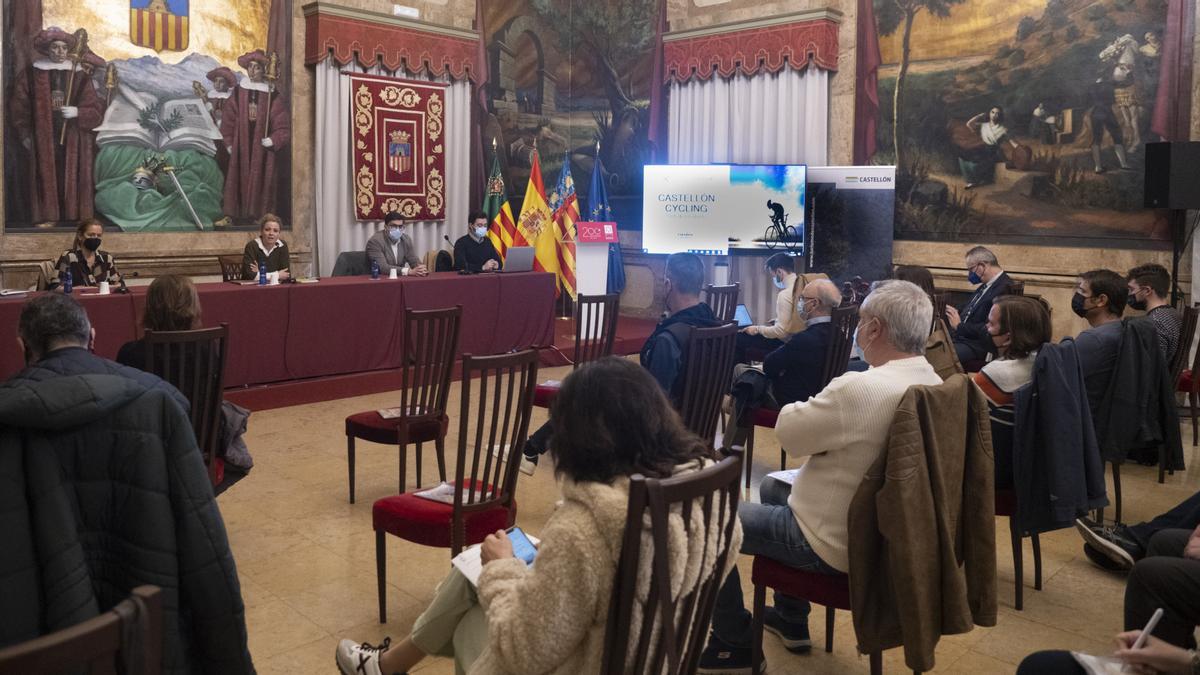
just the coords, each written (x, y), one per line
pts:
(338, 326)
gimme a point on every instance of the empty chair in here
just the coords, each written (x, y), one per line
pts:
(595, 332)
(351, 264)
(231, 267)
(497, 401)
(429, 345)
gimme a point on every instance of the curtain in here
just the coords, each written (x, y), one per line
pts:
(337, 229)
(780, 118)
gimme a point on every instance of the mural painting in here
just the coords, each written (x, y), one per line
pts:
(1022, 122)
(565, 76)
(148, 115)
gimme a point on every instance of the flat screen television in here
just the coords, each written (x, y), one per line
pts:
(716, 209)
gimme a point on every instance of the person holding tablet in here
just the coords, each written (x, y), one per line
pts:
(611, 420)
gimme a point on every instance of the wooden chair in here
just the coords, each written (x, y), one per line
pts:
(1006, 505)
(673, 631)
(722, 300)
(127, 639)
(429, 345)
(231, 267)
(1016, 287)
(1185, 380)
(706, 372)
(595, 333)
(491, 432)
(837, 357)
(194, 362)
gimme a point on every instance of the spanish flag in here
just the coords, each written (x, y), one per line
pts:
(502, 228)
(564, 204)
(535, 227)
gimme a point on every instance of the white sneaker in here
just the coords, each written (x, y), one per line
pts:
(354, 658)
(527, 467)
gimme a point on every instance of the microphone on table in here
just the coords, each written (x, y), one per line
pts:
(124, 288)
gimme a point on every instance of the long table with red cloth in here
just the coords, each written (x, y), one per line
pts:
(338, 326)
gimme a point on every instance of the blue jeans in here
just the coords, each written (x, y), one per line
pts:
(768, 529)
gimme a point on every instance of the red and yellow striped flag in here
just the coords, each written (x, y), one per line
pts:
(535, 227)
(501, 226)
(565, 206)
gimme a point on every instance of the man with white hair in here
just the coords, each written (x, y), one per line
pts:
(792, 372)
(842, 430)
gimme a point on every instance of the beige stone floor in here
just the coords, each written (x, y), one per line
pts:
(306, 556)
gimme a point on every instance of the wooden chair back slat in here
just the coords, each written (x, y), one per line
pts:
(429, 345)
(595, 326)
(231, 267)
(194, 362)
(127, 639)
(673, 630)
(1186, 332)
(722, 300)
(841, 343)
(497, 402)
(708, 366)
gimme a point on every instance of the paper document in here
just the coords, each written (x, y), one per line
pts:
(444, 492)
(470, 563)
(788, 476)
(1099, 665)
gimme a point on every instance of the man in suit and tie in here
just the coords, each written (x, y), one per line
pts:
(969, 324)
(392, 247)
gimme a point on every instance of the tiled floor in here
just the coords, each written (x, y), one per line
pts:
(306, 556)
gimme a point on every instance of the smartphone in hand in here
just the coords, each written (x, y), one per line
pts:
(523, 548)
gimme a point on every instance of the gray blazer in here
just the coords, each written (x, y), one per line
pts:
(379, 249)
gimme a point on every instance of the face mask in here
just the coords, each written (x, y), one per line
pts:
(481, 232)
(1077, 305)
(780, 284)
(860, 348)
(974, 278)
(1001, 342)
(394, 233)
(802, 310)
(1134, 303)
(91, 244)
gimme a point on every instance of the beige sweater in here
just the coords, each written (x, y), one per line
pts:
(843, 430)
(551, 617)
(785, 307)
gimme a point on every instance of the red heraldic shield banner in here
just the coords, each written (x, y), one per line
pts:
(397, 131)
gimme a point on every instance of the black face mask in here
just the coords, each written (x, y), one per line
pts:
(1134, 303)
(91, 244)
(1077, 305)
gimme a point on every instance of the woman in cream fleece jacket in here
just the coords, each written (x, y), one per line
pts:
(611, 420)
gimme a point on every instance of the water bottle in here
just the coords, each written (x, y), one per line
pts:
(374, 270)
(262, 271)
(405, 270)
(68, 281)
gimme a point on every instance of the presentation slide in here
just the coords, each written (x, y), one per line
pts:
(712, 208)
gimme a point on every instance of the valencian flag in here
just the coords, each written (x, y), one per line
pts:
(501, 228)
(159, 24)
(564, 206)
(601, 212)
(535, 227)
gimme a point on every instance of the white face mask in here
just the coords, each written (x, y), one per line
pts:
(480, 232)
(802, 309)
(394, 233)
(860, 348)
(780, 284)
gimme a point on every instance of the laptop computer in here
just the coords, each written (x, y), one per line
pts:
(742, 316)
(519, 259)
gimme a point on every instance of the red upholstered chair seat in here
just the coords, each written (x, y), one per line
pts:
(829, 590)
(425, 521)
(545, 393)
(370, 426)
(765, 417)
(1185, 381)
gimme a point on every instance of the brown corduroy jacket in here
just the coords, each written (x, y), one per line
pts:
(922, 526)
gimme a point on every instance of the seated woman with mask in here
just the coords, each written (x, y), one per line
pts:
(85, 262)
(1019, 326)
(611, 420)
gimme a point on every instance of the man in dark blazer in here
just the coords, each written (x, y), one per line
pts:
(792, 372)
(969, 324)
(393, 246)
